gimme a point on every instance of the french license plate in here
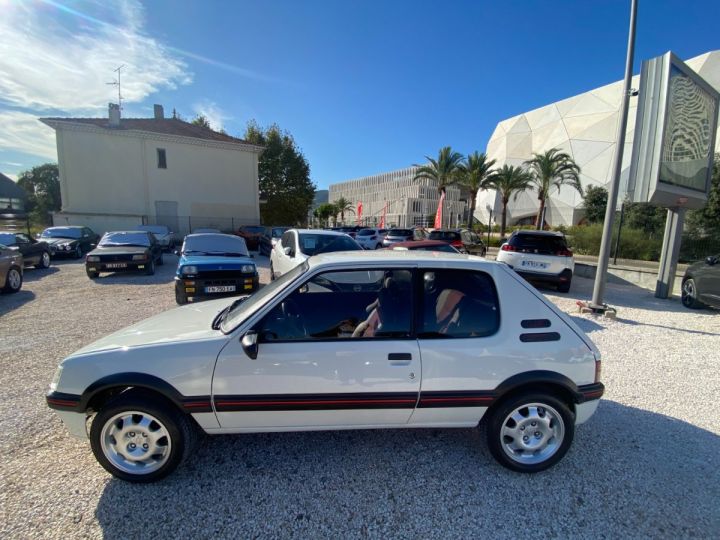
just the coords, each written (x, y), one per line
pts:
(116, 265)
(220, 289)
(534, 264)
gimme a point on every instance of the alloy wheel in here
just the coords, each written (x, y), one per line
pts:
(532, 433)
(136, 442)
(14, 279)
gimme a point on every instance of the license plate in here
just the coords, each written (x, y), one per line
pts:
(220, 288)
(534, 264)
(116, 265)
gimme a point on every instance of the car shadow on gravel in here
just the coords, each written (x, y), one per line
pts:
(36, 274)
(630, 473)
(9, 302)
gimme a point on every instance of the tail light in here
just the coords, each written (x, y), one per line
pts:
(508, 247)
(564, 253)
(456, 243)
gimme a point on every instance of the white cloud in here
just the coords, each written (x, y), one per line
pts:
(12, 163)
(212, 112)
(53, 57)
(23, 132)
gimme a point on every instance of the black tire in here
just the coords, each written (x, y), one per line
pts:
(180, 298)
(17, 277)
(564, 287)
(500, 413)
(689, 295)
(92, 275)
(44, 261)
(182, 433)
(78, 252)
(160, 260)
(150, 270)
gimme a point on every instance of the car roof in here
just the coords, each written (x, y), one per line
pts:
(65, 227)
(213, 234)
(393, 256)
(319, 231)
(530, 232)
(420, 243)
(129, 231)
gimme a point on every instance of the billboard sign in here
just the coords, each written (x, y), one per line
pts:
(675, 129)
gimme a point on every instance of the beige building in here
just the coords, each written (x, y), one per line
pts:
(408, 202)
(118, 173)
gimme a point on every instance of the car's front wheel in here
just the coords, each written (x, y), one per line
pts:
(44, 261)
(160, 260)
(530, 433)
(180, 298)
(689, 294)
(78, 252)
(140, 438)
(150, 269)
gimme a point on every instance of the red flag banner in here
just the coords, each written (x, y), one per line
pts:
(382, 219)
(439, 213)
(359, 212)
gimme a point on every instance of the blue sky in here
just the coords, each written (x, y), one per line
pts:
(364, 87)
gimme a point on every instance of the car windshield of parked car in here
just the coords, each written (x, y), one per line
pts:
(314, 244)
(7, 239)
(399, 232)
(216, 245)
(155, 229)
(112, 239)
(61, 232)
(445, 236)
(241, 308)
(277, 232)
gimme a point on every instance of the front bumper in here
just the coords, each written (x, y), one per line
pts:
(129, 266)
(195, 287)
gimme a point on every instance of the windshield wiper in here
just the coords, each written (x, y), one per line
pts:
(220, 317)
(225, 254)
(195, 251)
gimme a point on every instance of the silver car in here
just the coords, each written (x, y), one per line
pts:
(11, 269)
(165, 237)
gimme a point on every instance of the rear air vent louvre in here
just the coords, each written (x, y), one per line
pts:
(535, 323)
(540, 336)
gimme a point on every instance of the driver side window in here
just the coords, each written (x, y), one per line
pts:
(355, 304)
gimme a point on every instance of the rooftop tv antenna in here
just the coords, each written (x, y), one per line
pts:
(117, 83)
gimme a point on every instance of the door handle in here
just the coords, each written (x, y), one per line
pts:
(400, 359)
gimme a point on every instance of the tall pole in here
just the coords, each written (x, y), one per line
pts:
(606, 243)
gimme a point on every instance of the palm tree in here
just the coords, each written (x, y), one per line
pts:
(475, 171)
(343, 205)
(443, 171)
(552, 169)
(509, 181)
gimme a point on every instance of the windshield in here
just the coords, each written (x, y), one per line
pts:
(125, 239)
(214, 244)
(314, 244)
(155, 229)
(366, 232)
(61, 232)
(7, 239)
(260, 298)
(399, 232)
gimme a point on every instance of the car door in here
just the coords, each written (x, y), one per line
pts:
(708, 282)
(337, 351)
(31, 251)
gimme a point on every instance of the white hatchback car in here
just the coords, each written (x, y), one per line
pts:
(296, 245)
(539, 256)
(386, 339)
(371, 238)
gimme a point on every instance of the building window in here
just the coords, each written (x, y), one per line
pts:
(162, 158)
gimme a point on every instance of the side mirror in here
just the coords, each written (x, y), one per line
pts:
(711, 261)
(250, 345)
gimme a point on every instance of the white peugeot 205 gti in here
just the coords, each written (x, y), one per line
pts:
(383, 339)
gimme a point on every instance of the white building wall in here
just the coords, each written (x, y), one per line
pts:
(584, 126)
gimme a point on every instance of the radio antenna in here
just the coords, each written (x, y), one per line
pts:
(117, 83)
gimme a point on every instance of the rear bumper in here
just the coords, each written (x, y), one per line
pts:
(541, 277)
(197, 287)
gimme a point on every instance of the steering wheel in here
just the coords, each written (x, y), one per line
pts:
(291, 313)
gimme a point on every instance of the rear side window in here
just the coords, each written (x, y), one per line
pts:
(458, 304)
(445, 236)
(536, 243)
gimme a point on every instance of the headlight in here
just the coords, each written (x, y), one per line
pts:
(56, 378)
(189, 270)
(139, 257)
(247, 268)
(93, 258)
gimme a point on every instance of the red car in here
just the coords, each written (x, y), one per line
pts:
(252, 235)
(424, 245)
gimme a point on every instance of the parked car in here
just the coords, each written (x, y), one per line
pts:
(296, 245)
(464, 240)
(396, 235)
(336, 343)
(701, 284)
(124, 251)
(35, 252)
(425, 245)
(370, 238)
(69, 240)
(350, 230)
(213, 265)
(163, 234)
(252, 235)
(539, 256)
(11, 269)
(268, 240)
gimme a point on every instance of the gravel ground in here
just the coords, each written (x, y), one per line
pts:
(645, 465)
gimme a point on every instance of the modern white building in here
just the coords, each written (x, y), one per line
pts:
(118, 173)
(408, 202)
(584, 126)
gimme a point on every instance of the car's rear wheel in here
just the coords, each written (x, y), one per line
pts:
(564, 286)
(13, 280)
(139, 438)
(530, 433)
(44, 261)
(160, 260)
(689, 294)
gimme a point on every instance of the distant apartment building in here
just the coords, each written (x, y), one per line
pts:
(408, 202)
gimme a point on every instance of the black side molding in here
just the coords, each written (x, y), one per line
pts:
(539, 336)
